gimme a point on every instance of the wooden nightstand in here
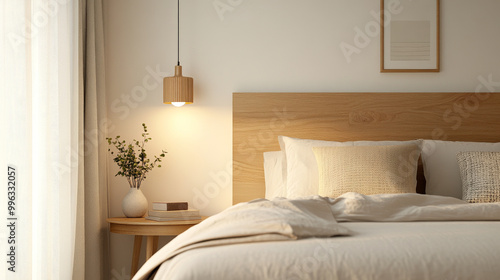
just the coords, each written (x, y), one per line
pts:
(151, 229)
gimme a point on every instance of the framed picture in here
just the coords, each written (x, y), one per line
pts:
(409, 35)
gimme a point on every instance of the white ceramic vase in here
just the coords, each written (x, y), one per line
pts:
(134, 204)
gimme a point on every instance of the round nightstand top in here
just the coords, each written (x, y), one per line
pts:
(146, 222)
(143, 226)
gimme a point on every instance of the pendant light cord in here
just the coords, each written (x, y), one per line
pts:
(178, 21)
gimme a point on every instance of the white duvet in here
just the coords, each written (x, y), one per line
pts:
(242, 241)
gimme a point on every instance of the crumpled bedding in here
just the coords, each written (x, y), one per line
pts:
(313, 218)
(355, 207)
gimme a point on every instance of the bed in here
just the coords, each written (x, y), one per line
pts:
(436, 216)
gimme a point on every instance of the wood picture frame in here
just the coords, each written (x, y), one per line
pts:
(409, 36)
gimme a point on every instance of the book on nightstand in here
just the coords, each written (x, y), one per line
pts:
(178, 215)
(170, 206)
(160, 219)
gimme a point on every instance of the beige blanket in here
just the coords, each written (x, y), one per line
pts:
(256, 221)
(281, 219)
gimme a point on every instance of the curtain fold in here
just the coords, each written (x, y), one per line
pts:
(95, 123)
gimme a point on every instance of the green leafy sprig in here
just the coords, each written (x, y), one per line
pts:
(132, 158)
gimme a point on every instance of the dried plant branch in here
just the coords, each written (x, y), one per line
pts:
(132, 158)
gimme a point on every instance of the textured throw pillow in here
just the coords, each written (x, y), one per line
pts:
(480, 172)
(441, 170)
(302, 177)
(367, 169)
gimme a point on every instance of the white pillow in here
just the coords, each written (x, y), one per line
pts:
(302, 175)
(441, 171)
(274, 177)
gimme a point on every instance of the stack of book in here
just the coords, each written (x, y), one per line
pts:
(172, 211)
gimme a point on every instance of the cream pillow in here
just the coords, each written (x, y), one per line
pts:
(480, 172)
(302, 177)
(367, 169)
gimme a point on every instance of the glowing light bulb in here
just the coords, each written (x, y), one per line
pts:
(178, 104)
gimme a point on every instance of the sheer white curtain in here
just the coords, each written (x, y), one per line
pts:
(42, 128)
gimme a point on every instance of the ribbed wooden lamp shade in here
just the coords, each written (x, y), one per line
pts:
(178, 88)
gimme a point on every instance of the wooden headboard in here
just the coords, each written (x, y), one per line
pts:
(258, 119)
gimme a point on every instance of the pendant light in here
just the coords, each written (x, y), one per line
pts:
(178, 90)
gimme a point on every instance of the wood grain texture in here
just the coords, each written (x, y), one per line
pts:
(135, 255)
(259, 118)
(150, 246)
(178, 88)
(142, 226)
(146, 222)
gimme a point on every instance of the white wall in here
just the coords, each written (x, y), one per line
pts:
(256, 45)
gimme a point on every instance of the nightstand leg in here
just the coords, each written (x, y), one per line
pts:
(149, 247)
(136, 255)
(155, 244)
